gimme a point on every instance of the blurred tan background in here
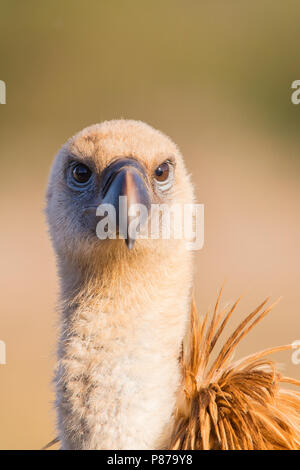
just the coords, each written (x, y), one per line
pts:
(216, 77)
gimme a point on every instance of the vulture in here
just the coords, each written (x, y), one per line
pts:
(136, 367)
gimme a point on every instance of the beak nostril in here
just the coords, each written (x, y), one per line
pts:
(113, 169)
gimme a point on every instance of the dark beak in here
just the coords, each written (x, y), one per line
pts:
(125, 177)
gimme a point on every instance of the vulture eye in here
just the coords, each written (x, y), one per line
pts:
(81, 173)
(163, 176)
(162, 172)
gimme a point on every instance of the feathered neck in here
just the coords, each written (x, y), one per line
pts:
(122, 327)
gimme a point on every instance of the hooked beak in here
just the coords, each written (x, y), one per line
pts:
(124, 185)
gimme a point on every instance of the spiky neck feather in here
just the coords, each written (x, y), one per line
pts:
(123, 321)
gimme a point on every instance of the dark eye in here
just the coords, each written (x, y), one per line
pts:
(81, 173)
(162, 172)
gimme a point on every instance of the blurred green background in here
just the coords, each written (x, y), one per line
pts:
(214, 75)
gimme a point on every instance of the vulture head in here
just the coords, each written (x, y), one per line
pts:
(97, 166)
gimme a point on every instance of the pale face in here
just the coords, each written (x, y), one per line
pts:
(102, 163)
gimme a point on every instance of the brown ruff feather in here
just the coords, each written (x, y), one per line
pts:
(232, 405)
(236, 406)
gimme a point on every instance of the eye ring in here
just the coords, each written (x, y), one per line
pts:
(81, 173)
(163, 176)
